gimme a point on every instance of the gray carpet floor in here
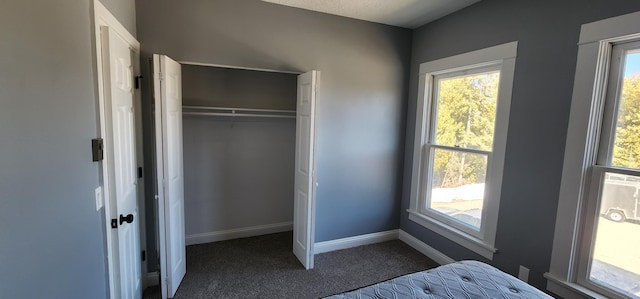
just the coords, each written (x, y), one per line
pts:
(265, 267)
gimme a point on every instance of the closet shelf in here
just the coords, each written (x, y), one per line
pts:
(237, 112)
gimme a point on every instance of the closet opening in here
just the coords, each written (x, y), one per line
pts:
(239, 132)
(235, 153)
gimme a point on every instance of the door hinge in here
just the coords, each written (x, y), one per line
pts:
(114, 223)
(144, 255)
(136, 81)
(139, 172)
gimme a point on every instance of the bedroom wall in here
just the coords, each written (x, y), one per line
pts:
(225, 87)
(239, 171)
(362, 96)
(124, 11)
(548, 33)
(52, 237)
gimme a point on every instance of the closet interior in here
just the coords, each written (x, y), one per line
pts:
(239, 131)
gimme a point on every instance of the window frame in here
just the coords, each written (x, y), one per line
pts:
(604, 156)
(583, 167)
(502, 58)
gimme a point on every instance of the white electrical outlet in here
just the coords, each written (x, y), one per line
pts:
(523, 274)
(98, 198)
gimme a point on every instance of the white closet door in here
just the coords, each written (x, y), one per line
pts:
(304, 196)
(118, 72)
(168, 116)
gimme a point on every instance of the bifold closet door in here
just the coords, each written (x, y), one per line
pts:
(304, 196)
(168, 118)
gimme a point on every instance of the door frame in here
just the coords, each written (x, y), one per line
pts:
(312, 214)
(311, 223)
(103, 18)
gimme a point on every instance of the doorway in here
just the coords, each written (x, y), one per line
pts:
(230, 118)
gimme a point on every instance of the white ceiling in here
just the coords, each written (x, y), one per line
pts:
(402, 13)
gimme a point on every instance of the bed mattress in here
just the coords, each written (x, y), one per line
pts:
(465, 279)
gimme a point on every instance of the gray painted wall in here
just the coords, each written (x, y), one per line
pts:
(239, 172)
(124, 11)
(52, 236)
(362, 97)
(224, 87)
(548, 33)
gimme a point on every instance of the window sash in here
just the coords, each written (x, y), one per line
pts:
(434, 97)
(459, 149)
(431, 100)
(612, 101)
(427, 187)
(589, 228)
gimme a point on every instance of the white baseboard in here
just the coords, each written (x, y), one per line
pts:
(152, 279)
(338, 244)
(425, 249)
(238, 233)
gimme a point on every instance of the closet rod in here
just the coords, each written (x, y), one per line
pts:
(238, 114)
(238, 109)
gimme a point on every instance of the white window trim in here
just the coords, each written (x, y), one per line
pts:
(483, 242)
(587, 104)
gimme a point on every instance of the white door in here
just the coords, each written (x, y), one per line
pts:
(119, 99)
(304, 196)
(168, 118)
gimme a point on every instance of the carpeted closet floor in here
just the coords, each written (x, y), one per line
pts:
(265, 267)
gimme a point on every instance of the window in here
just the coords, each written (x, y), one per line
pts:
(611, 259)
(597, 236)
(461, 127)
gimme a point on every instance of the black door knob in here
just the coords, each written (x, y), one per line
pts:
(127, 219)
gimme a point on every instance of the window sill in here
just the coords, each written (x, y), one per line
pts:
(470, 242)
(569, 290)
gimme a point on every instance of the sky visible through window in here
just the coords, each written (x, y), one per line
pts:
(633, 65)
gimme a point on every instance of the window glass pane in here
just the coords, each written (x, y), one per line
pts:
(457, 188)
(615, 263)
(626, 148)
(466, 110)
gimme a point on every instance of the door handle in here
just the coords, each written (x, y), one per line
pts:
(127, 219)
